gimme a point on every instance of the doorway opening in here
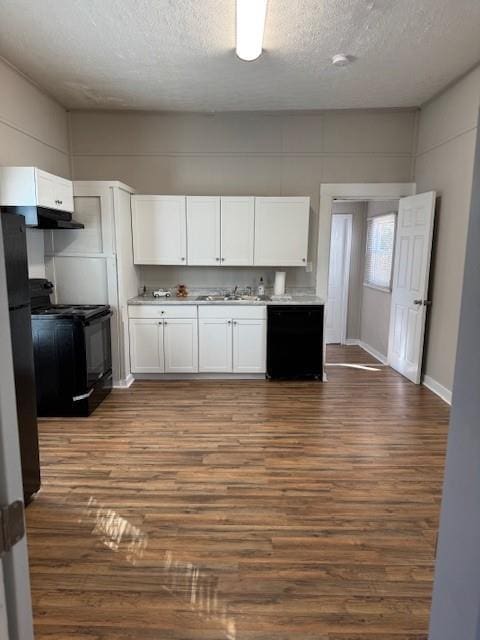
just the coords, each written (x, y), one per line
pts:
(360, 282)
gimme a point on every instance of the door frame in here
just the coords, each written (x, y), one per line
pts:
(346, 272)
(14, 565)
(347, 191)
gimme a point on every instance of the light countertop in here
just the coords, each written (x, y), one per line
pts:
(192, 299)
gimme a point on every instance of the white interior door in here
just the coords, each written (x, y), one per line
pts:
(413, 247)
(15, 599)
(337, 301)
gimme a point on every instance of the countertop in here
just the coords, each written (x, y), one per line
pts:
(299, 299)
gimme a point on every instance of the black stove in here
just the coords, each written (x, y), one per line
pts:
(40, 291)
(72, 353)
(83, 312)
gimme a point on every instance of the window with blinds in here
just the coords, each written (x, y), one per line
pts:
(379, 251)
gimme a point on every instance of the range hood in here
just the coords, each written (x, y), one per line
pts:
(44, 218)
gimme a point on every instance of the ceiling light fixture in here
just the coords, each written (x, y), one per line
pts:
(341, 60)
(250, 27)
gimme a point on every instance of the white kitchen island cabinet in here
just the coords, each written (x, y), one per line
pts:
(281, 231)
(159, 226)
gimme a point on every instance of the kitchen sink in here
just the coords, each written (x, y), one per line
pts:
(232, 298)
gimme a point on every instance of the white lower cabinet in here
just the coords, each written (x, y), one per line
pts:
(160, 343)
(146, 345)
(249, 342)
(180, 343)
(224, 338)
(215, 345)
(232, 339)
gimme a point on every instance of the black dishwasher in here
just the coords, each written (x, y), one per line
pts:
(295, 341)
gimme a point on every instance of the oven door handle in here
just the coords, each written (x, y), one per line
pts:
(83, 396)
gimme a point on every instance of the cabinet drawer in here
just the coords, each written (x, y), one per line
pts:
(253, 312)
(162, 311)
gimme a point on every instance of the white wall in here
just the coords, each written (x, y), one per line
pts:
(33, 132)
(242, 153)
(444, 162)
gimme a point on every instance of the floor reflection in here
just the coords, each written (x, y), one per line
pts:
(181, 579)
(115, 532)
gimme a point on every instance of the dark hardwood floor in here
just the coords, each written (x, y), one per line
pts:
(247, 510)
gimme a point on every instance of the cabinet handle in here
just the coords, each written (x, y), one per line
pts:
(304, 259)
(418, 302)
(235, 322)
(223, 259)
(160, 322)
(183, 259)
(164, 322)
(229, 322)
(217, 259)
(163, 311)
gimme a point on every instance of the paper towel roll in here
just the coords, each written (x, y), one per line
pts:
(279, 286)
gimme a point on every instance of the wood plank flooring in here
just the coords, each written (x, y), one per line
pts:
(247, 510)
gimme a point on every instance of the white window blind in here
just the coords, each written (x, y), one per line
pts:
(379, 252)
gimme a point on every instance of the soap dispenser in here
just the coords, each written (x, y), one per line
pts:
(261, 288)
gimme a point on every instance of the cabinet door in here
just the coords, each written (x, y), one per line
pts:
(249, 346)
(238, 228)
(53, 192)
(180, 341)
(215, 345)
(146, 346)
(281, 231)
(159, 229)
(203, 230)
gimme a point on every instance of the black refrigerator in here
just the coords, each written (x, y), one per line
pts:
(16, 264)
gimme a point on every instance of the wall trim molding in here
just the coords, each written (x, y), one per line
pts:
(248, 154)
(366, 347)
(126, 383)
(459, 134)
(438, 389)
(373, 352)
(19, 129)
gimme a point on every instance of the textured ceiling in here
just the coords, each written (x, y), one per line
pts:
(178, 54)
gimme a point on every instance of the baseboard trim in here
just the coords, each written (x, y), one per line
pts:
(438, 389)
(373, 352)
(199, 376)
(124, 384)
(352, 342)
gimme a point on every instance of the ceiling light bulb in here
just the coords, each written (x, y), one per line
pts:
(250, 27)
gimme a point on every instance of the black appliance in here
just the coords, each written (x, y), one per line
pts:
(295, 341)
(72, 353)
(44, 218)
(16, 264)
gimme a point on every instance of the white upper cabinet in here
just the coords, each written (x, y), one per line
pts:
(237, 230)
(281, 231)
(203, 230)
(29, 187)
(159, 229)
